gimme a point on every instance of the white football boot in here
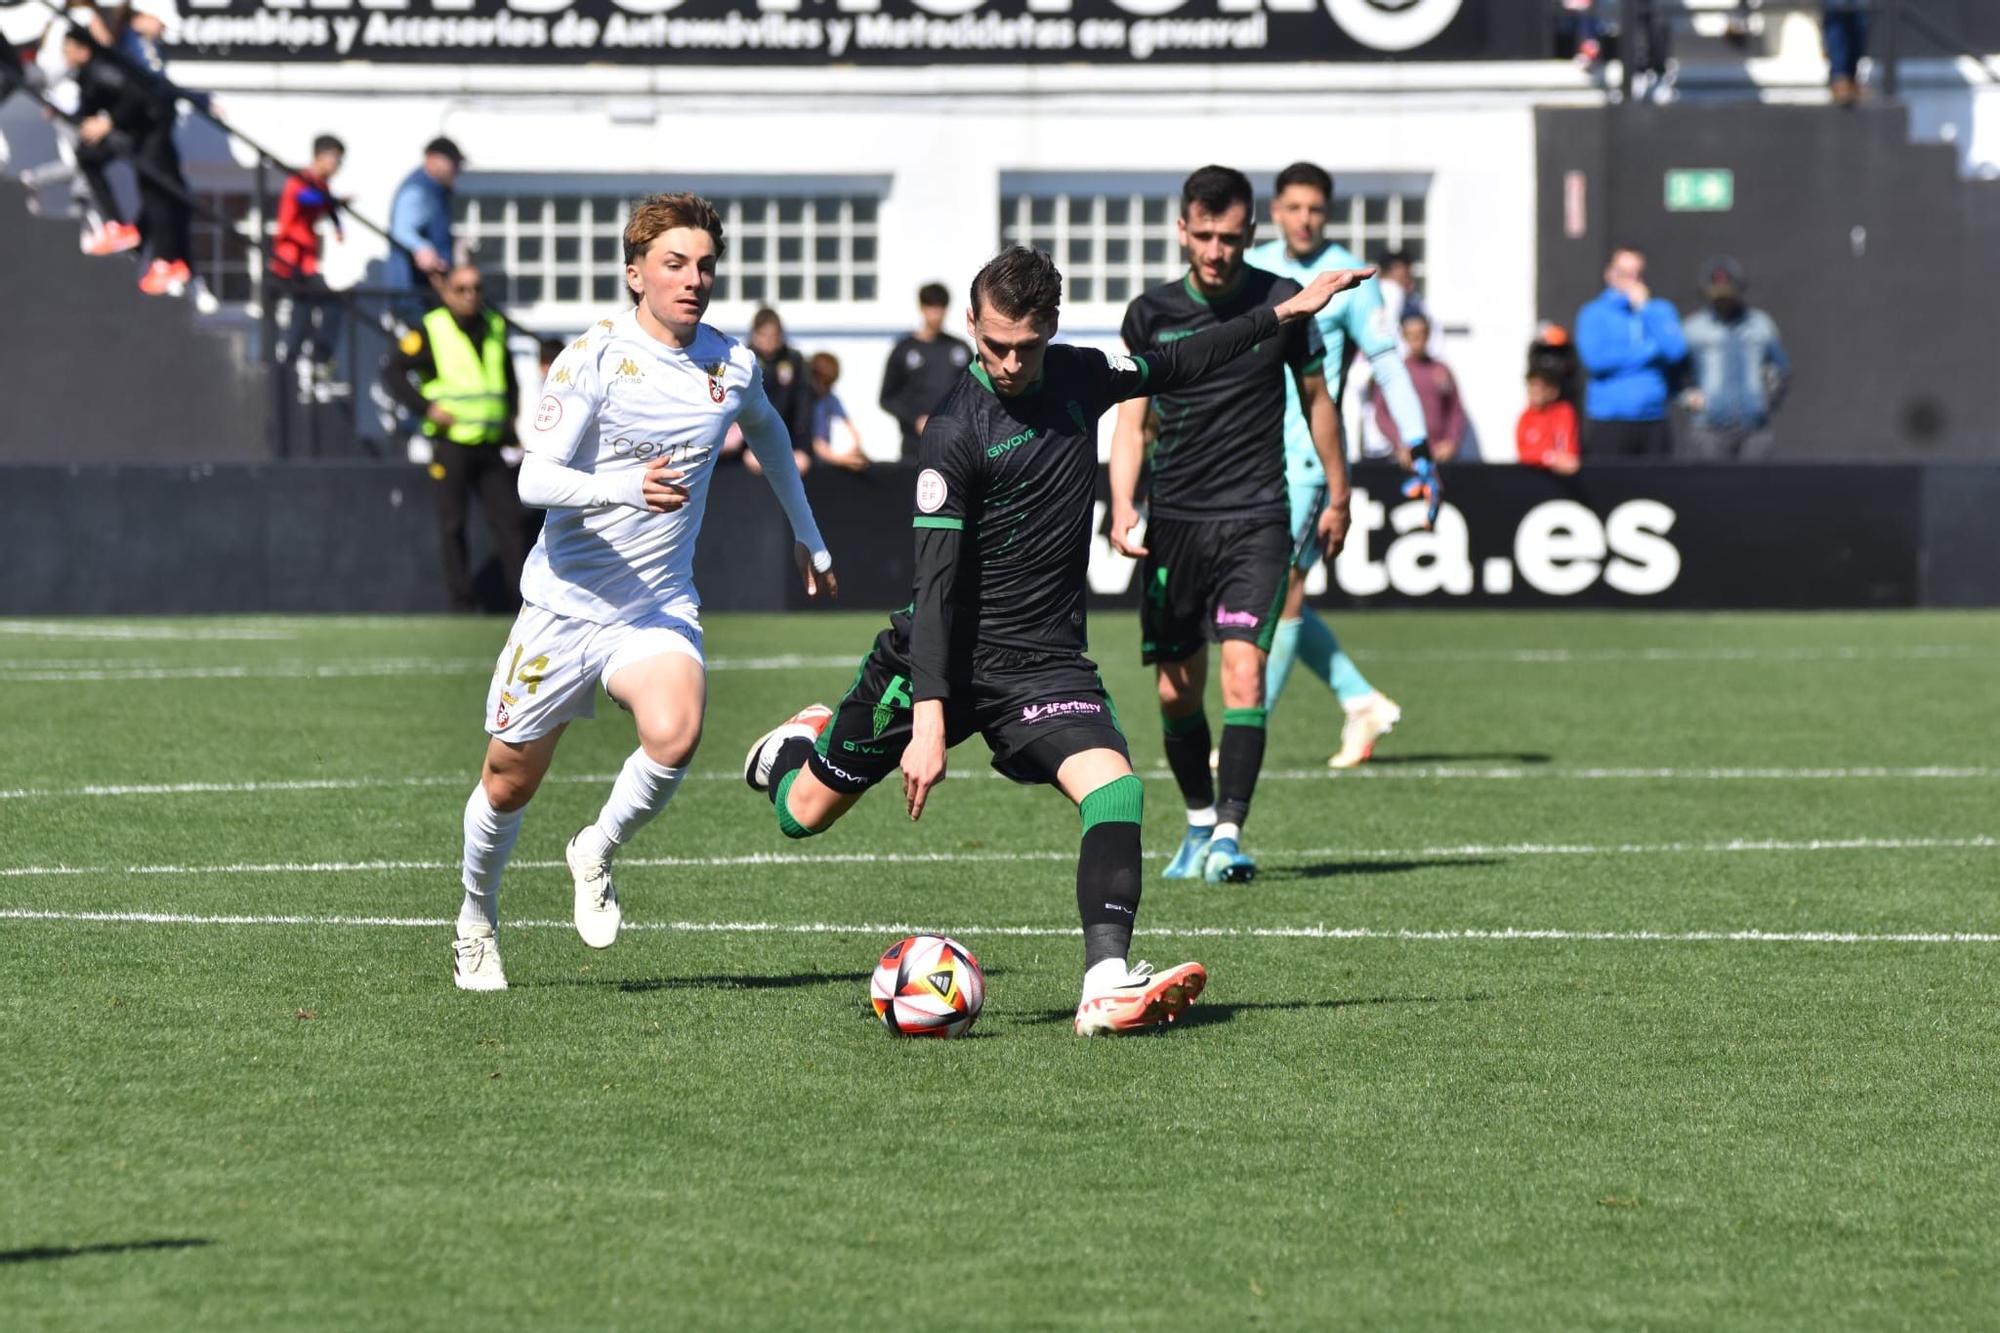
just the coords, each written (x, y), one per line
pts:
(1140, 999)
(597, 916)
(475, 962)
(1372, 717)
(806, 724)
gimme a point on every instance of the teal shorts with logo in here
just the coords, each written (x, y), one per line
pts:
(1308, 499)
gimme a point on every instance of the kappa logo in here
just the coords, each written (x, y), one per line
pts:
(562, 376)
(604, 324)
(628, 370)
(1061, 708)
(580, 344)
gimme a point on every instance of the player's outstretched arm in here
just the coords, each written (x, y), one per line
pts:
(1128, 448)
(1176, 365)
(764, 431)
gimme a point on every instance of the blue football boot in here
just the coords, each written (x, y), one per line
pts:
(1188, 860)
(1226, 863)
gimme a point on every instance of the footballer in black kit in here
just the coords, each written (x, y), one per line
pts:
(1218, 547)
(993, 640)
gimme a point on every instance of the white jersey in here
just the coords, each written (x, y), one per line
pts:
(616, 399)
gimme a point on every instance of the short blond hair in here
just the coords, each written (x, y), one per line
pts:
(656, 215)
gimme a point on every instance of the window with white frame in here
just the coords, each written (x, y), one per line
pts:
(220, 250)
(1113, 234)
(563, 243)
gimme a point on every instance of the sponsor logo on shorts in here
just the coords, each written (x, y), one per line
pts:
(856, 747)
(930, 490)
(838, 771)
(1061, 708)
(1238, 619)
(548, 412)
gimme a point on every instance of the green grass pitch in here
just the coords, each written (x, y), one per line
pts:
(1647, 980)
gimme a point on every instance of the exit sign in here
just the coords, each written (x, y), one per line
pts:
(1703, 190)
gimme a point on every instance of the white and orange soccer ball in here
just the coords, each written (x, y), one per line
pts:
(927, 986)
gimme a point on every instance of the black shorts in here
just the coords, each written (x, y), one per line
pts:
(1034, 710)
(1207, 580)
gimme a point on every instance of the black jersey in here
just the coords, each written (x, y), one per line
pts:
(1004, 501)
(1221, 446)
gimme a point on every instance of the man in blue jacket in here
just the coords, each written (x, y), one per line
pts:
(420, 226)
(1628, 341)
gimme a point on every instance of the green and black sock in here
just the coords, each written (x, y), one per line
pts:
(1107, 868)
(1241, 760)
(1187, 744)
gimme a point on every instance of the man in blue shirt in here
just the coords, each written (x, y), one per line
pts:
(1739, 367)
(1628, 340)
(420, 227)
(1354, 319)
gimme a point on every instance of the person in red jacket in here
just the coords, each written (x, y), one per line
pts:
(1546, 435)
(312, 337)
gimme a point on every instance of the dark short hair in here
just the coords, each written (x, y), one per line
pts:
(326, 143)
(1417, 316)
(933, 294)
(1395, 257)
(765, 317)
(548, 349)
(1304, 173)
(1216, 189)
(443, 147)
(1018, 283)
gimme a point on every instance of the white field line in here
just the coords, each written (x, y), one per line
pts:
(893, 928)
(1374, 773)
(30, 671)
(61, 629)
(1281, 856)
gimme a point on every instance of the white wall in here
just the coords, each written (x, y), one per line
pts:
(943, 149)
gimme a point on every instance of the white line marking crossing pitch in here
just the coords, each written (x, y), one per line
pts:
(1277, 856)
(1472, 935)
(1374, 773)
(59, 629)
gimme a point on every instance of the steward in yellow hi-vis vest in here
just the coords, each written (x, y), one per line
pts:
(452, 373)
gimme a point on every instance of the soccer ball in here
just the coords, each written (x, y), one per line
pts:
(927, 986)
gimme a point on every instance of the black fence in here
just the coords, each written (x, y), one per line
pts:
(360, 537)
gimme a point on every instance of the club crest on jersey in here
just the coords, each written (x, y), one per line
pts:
(501, 717)
(715, 373)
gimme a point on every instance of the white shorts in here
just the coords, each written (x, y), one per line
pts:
(552, 666)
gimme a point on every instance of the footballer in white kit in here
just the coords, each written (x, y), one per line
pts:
(626, 434)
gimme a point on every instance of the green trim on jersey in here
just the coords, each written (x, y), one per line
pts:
(1187, 281)
(986, 381)
(943, 524)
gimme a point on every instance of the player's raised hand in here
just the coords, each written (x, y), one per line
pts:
(923, 757)
(1323, 288)
(1123, 519)
(817, 575)
(661, 489)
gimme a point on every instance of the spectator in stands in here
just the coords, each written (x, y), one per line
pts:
(124, 113)
(1628, 340)
(786, 383)
(922, 366)
(1396, 276)
(312, 339)
(1739, 367)
(57, 64)
(546, 352)
(836, 442)
(1546, 434)
(1844, 28)
(1444, 409)
(452, 371)
(420, 229)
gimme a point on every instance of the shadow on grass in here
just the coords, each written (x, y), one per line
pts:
(41, 1253)
(719, 981)
(1478, 757)
(1374, 866)
(1206, 1013)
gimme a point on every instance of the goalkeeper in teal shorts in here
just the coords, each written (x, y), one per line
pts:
(1354, 319)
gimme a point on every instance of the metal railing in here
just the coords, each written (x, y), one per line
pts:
(382, 319)
(1891, 21)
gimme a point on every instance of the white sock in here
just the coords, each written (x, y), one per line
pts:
(489, 841)
(1103, 976)
(642, 790)
(1202, 818)
(1231, 832)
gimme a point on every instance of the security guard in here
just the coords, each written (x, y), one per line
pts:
(453, 373)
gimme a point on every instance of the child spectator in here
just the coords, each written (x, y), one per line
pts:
(1546, 435)
(312, 338)
(835, 440)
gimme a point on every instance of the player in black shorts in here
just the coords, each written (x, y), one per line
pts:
(993, 641)
(1218, 536)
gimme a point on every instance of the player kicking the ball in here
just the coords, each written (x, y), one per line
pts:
(624, 443)
(993, 640)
